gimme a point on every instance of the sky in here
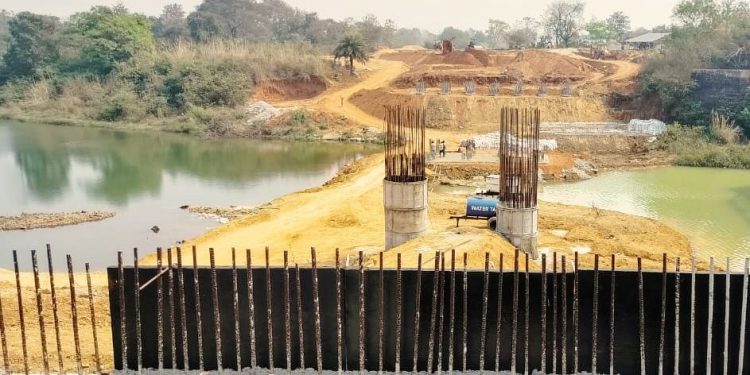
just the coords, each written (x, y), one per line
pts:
(432, 15)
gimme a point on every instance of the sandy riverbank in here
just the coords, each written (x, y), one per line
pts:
(347, 213)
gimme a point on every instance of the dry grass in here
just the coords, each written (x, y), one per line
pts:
(263, 61)
(723, 130)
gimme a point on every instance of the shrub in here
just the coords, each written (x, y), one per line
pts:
(715, 156)
(723, 130)
(679, 137)
(121, 104)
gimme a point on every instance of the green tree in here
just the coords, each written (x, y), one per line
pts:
(563, 19)
(351, 48)
(5, 17)
(697, 13)
(619, 25)
(460, 38)
(171, 24)
(599, 32)
(107, 37)
(32, 46)
(371, 31)
(237, 19)
(497, 33)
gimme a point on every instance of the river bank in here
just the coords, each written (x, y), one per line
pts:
(346, 213)
(27, 221)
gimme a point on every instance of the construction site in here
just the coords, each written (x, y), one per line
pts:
(433, 255)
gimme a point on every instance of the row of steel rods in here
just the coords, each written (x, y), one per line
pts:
(519, 157)
(405, 143)
(38, 292)
(437, 299)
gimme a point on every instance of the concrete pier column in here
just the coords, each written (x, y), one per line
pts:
(406, 215)
(519, 227)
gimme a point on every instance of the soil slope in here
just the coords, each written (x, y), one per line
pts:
(347, 214)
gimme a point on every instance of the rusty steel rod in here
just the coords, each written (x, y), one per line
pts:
(526, 317)
(40, 312)
(137, 308)
(398, 313)
(381, 312)
(441, 325)
(287, 316)
(451, 322)
(162, 271)
(121, 300)
(251, 307)
(361, 313)
(417, 309)
(236, 311)
(641, 318)
(170, 313)
(543, 309)
(612, 317)
(464, 314)
(217, 316)
(198, 321)
(316, 307)
(483, 329)
(433, 311)
(92, 316)
(575, 313)
(339, 323)
(663, 316)
(183, 312)
(55, 316)
(514, 328)
(595, 317)
(564, 316)
(692, 316)
(743, 317)
(300, 326)
(710, 325)
(4, 340)
(269, 309)
(677, 318)
(159, 311)
(554, 311)
(727, 289)
(74, 315)
(499, 322)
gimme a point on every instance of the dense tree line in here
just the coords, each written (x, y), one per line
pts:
(707, 34)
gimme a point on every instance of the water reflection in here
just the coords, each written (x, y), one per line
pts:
(710, 206)
(144, 177)
(130, 164)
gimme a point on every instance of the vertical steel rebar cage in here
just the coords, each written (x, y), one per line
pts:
(404, 144)
(519, 157)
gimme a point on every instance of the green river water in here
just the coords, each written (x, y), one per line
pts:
(144, 177)
(711, 206)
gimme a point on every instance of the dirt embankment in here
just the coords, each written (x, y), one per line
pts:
(279, 90)
(484, 67)
(347, 214)
(479, 114)
(46, 220)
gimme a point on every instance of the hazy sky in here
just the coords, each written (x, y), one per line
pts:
(430, 14)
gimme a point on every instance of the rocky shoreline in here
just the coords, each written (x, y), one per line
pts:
(28, 221)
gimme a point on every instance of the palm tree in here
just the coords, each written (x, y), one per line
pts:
(352, 47)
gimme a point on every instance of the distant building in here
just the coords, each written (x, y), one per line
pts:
(647, 41)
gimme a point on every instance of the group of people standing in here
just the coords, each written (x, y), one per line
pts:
(437, 147)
